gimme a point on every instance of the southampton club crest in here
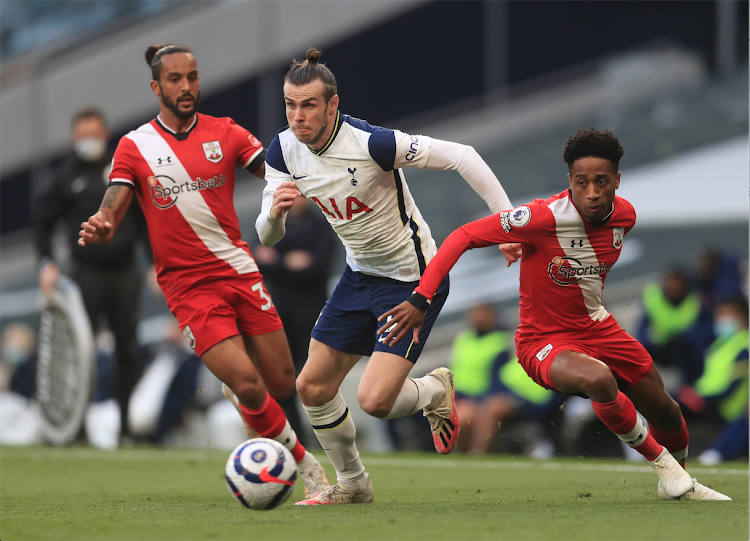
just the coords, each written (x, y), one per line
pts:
(617, 234)
(213, 152)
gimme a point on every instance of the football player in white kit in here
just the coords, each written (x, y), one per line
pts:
(352, 171)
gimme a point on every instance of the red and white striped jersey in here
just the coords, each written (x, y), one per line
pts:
(564, 264)
(185, 185)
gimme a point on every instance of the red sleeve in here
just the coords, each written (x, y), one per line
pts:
(629, 213)
(123, 163)
(246, 144)
(528, 224)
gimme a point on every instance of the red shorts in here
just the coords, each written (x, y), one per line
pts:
(608, 342)
(212, 311)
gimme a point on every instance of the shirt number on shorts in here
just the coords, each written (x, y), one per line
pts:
(263, 295)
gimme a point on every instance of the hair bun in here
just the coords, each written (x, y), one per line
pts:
(312, 55)
(151, 52)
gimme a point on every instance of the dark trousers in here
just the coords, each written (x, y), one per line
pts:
(114, 294)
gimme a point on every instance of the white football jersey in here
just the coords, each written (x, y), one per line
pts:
(356, 181)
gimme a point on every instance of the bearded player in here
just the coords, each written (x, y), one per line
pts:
(352, 172)
(181, 166)
(566, 340)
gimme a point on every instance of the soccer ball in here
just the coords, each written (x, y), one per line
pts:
(261, 473)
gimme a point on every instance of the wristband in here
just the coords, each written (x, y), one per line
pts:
(419, 301)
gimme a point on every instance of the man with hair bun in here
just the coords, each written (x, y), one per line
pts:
(566, 340)
(352, 172)
(181, 166)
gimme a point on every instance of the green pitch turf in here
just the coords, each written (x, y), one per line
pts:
(81, 493)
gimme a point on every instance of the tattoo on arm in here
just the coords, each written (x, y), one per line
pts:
(110, 197)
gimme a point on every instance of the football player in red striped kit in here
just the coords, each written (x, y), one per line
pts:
(566, 340)
(181, 166)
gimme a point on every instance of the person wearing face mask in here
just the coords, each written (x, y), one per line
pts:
(108, 275)
(721, 393)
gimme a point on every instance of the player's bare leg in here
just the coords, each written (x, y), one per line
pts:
(668, 427)
(576, 373)
(318, 387)
(468, 412)
(386, 392)
(492, 411)
(250, 386)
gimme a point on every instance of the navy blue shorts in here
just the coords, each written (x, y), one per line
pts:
(349, 320)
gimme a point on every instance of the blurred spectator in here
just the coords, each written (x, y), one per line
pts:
(491, 386)
(296, 272)
(19, 415)
(166, 389)
(718, 277)
(107, 275)
(179, 401)
(721, 393)
(18, 360)
(671, 328)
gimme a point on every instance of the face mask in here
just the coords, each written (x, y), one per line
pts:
(725, 327)
(13, 354)
(90, 149)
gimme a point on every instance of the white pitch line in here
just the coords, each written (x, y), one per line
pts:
(211, 456)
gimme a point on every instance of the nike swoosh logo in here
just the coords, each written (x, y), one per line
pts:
(297, 178)
(268, 478)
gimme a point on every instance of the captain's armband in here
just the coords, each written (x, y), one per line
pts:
(419, 301)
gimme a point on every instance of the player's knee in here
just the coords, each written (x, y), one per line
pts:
(598, 382)
(374, 405)
(313, 393)
(248, 388)
(669, 416)
(281, 387)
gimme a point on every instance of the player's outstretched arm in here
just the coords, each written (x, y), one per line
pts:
(101, 227)
(447, 156)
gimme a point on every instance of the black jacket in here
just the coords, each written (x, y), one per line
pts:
(75, 193)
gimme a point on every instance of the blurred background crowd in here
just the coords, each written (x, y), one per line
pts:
(511, 78)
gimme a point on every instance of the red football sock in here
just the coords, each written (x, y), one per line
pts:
(269, 421)
(675, 440)
(622, 419)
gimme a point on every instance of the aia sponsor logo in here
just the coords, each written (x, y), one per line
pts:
(164, 190)
(568, 270)
(351, 207)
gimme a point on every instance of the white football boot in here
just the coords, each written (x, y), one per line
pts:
(336, 494)
(236, 403)
(701, 492)
(315, 480)
(673, 479)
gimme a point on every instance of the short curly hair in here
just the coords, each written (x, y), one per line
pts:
(593, 143)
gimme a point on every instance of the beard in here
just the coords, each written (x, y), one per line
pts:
(314, 137)
(182, 114)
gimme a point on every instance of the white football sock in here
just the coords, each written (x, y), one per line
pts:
(416, 393)
(287, 437)
(334, 427)
(307, 462)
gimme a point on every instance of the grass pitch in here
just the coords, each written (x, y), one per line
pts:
(82, 493)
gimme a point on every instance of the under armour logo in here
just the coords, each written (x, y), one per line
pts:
(573, 243)
(168, 160)
(351, 171)
(636, 440)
